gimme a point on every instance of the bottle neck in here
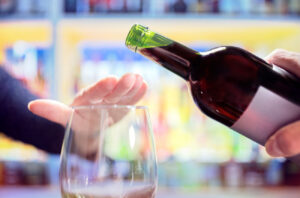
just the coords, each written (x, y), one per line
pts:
(172, 55)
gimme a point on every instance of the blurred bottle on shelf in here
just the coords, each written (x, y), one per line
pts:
(34, 173)
(233, 174)
(294, 7)
(229, 6)
(269, 7)
(7, 7)
(82, 6)
(1, 173)
(116, 6)
(12, 173)
(198, 7)
(283, 7)
(291, 173)
(215, 6)
(179, 6)
(254, 172)
(135, 5)
(213, 175)
(274, 174)
(70, 6)
(98, 6)
(52, 169)
(233, 171)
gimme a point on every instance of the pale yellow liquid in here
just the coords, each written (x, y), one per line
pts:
(111, 192)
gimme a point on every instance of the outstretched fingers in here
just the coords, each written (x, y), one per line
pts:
(134, 98)
(128, 90)
(96, 92)
(123, 87)
(51, 110)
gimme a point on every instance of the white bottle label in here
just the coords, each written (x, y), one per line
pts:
(266, 113)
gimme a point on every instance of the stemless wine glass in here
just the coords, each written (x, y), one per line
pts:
(108, 152)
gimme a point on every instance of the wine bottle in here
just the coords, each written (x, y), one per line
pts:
(228, 84)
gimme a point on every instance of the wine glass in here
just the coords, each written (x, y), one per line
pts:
(108, 152)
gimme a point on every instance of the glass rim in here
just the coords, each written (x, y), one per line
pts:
(109, 106)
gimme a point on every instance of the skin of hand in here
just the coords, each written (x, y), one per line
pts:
(286, 141)
(127, 90)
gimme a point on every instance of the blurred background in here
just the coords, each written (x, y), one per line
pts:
(57, 47)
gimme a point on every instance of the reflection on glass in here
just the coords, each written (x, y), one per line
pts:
(108, 151)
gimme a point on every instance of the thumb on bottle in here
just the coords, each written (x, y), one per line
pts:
(285, 142)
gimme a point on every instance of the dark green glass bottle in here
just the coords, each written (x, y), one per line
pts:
(229, 84)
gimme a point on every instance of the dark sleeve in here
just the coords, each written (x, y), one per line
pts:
(19, 123)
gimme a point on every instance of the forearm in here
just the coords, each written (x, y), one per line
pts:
(19, 123)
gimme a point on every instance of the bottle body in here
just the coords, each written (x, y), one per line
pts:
(244, 92)
(232, 86)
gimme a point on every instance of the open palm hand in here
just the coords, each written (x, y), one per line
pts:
(127, 90)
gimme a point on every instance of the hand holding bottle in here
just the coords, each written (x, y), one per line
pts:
(228, 84)
(286, 141)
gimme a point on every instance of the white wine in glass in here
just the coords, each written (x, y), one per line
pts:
(108, 152)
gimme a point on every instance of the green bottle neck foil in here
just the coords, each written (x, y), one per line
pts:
(141, 37)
